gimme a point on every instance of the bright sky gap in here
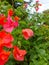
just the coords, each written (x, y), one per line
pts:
(45, 5)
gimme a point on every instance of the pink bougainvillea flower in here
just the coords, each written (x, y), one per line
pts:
(4, 57)
(37, 8)
(6, 39)
(27, 33)
(10, 25)
(19, 54)
(10, 12)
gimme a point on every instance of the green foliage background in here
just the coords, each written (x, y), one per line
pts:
(37, 47)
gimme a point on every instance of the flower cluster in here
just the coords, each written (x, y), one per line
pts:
(37, 5)
(6, 39)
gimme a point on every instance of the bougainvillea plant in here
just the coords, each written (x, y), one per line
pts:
(27, 43)
(6, 38)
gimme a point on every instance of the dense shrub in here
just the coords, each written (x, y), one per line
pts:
(37, 46)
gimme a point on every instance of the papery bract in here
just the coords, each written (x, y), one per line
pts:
(19, 54)
(4, 56)
(27, 33)
(2, 19)
(16, 18)
(10, 25)
(10, 12)
(6, 39)
(37, 8)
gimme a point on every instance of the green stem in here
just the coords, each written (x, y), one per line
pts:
(13, 3)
